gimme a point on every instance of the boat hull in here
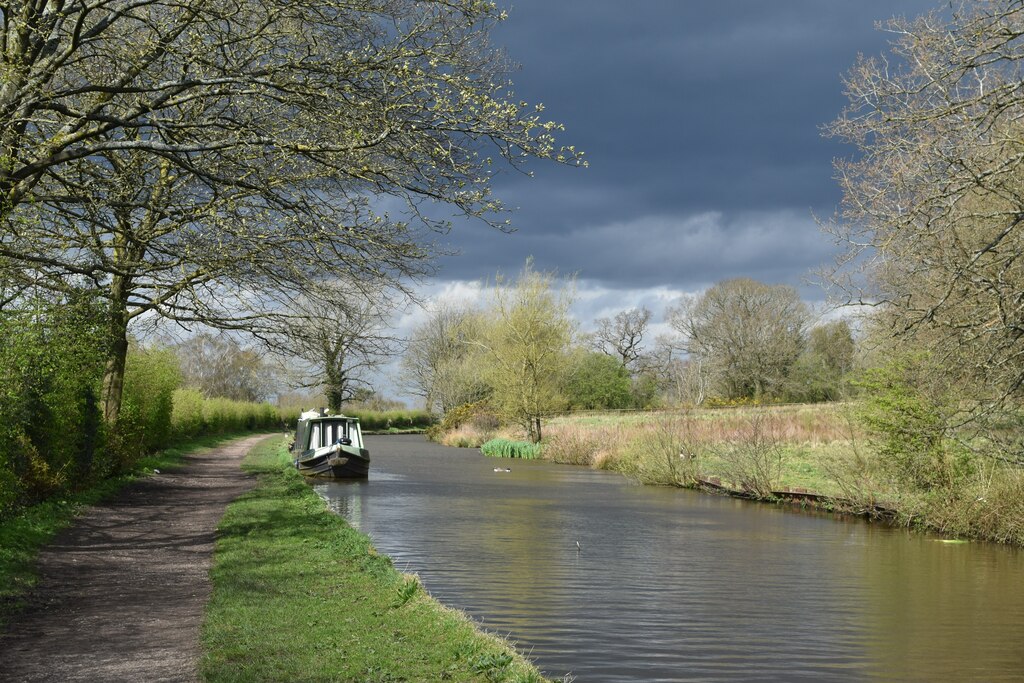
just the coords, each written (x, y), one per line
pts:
(340, 463)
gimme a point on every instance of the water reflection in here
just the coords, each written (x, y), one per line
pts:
(672, 585)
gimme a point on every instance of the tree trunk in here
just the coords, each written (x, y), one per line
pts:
(334, 394)
(536, 430)
(117, 351)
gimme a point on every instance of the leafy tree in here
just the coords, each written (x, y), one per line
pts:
(748, 335)
(933, 207)
(524, 347)
(819, 372)
(597, 380)
(205, 162)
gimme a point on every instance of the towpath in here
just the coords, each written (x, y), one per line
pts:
(122, 592)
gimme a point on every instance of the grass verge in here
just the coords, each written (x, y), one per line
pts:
(25, 534)
(299, 595)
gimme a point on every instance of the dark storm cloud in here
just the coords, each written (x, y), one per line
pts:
(701, 121)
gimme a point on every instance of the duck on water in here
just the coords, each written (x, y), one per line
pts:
(330, 446)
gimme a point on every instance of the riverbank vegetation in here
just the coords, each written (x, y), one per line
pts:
(54, 441)
(299, 595)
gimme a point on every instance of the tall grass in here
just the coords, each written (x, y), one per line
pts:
(509, 448)
(756, 449)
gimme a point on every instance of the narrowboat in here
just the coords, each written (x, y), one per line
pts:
(330, 446)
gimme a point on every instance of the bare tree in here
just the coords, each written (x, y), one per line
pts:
(622, 336)
(745, 333)
(435, 363)
(218, 365)
(933, 209)
(341, 335)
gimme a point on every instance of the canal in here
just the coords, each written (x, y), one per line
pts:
(609, 581)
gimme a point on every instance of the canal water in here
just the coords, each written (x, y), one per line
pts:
(674, 585)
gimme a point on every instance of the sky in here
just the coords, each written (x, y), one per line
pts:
(702, 123)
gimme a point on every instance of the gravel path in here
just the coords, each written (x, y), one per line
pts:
(122, 592)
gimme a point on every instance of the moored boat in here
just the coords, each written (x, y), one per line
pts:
(330, 446)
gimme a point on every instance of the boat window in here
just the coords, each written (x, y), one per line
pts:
(338, 432)
(314, 436)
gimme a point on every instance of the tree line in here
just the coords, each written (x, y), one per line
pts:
(524, 355)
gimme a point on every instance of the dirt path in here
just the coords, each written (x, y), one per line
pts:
(121, 593)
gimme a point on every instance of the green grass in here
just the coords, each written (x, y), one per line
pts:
(509, 448)
(25, 534)
(299, 595)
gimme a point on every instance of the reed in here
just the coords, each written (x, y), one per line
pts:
(510, 448)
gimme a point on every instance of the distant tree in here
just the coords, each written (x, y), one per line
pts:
(524, 347)
(827, 358)
(218, 365)
(932, 217)
(746, 333)
(622, 336)
(833, 342)
(436, 362)
(340, 336)
(596, 380)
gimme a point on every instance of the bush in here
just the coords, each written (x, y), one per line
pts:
(455, 418)
(908, 418)
(753, 461)
(50, 368)
(187, 418)
(665, 452)
(150, 379)
(507, 448)
(598, 381)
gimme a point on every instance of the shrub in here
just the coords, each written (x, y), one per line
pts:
(753, 460)
(665, 452)
(508, 448)
(51, 363)
(908, 418)
(151, 377)
(455, 418)
(187, 416)
(596, 380)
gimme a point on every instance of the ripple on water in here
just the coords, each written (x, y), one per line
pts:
(672, 585)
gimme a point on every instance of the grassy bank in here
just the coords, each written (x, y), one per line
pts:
(764, 451)
(24, 535)
(300, 595)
